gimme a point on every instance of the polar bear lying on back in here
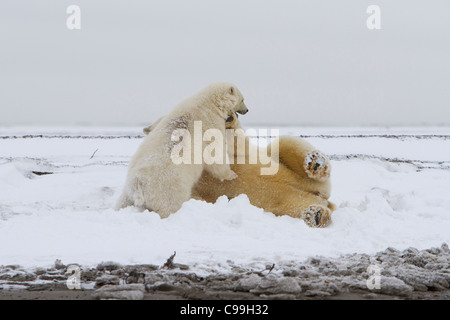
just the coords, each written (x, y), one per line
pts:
(154, 181)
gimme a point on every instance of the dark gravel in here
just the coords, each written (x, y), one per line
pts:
(407, 274)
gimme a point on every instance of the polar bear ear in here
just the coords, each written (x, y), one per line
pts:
(231, 90)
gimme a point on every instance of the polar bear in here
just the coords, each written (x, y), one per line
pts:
(154, 180)
(300, 188)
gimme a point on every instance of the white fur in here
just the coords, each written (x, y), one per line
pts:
(154, 182)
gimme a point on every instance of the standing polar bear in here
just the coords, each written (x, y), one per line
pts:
(155, 181)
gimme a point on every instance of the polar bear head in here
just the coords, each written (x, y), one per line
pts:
(226, 97)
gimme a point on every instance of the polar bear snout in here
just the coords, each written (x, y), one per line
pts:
(242, 111)
(242, 108)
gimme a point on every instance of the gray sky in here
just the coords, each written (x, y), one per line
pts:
(297, 62)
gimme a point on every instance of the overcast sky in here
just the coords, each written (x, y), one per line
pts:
(296, 62)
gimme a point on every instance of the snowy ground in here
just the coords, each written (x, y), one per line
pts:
(391, 187)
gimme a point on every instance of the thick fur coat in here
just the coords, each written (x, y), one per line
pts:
(300, 188)
(154, 181)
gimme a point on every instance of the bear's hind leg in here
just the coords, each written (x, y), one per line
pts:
(317, 165)
(317, 216)
(302, 158)
(158, 195)
(314, 210)
(123, 202)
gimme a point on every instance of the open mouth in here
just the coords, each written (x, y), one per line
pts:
(230, 119)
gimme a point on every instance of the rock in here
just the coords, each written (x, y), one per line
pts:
(52, 277)
(388, 285)
(320, 287)
(181, 266)
(439, 287)
(290, 273)
(160, 286)
(248, 283)
(275, 285)
(40, 271)
(191, 276)
(331, 288)
(108, 266)
(59, 265)
(420, 287)
(120, 292)
(417, 261)
(151, 278)
(339, 272)
(217, 277)
(392, 250)
(360, 267)
(141, 268)
(395, 287)
(117, 272)
(107, 280)
(309, 274)
(314, 261)
(288, 285)
(12, 267)
(237, 269)
(421, 279)
(88, 275)
(5, 276)
(388, 257)
(135, 277)
(220, 282)
(18, 276)
(315, 293)
(434, 251)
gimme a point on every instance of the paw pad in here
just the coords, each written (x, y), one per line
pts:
(317, 216)
(317, 165)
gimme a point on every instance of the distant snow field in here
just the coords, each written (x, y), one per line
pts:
(391, 187)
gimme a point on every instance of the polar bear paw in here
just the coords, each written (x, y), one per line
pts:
(317, 216)
(231, 175)
(317, 166)
(223, 175)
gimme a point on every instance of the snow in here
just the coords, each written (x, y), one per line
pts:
(68, 215)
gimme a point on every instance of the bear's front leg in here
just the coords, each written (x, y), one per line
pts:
(221, 171)
(218, 165)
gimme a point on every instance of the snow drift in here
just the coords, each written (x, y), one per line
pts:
(390, 192)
